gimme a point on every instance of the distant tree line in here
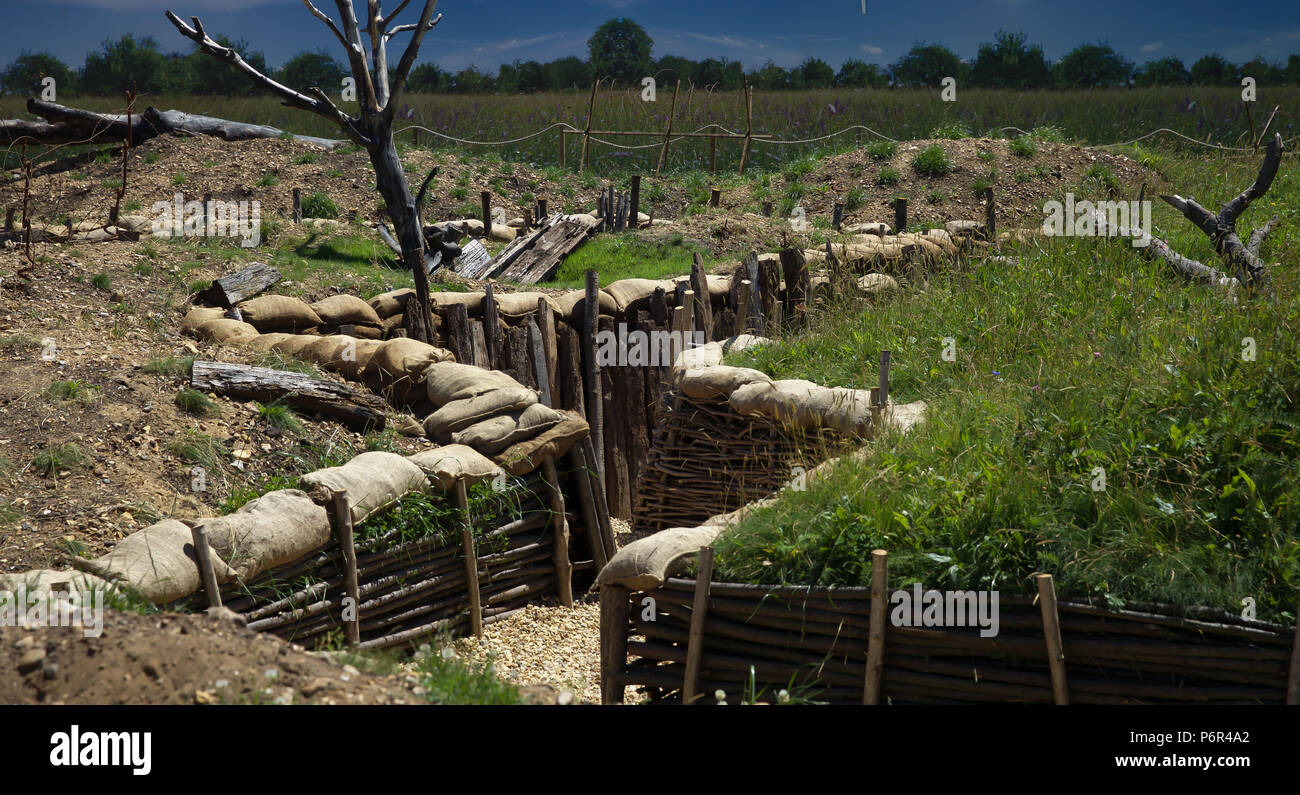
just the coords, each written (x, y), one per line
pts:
(620, 51)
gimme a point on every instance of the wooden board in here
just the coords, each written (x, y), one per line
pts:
(539, 258)
(240, 286)
(359, 409)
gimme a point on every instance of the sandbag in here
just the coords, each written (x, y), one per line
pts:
(278, 313)
(391, 303)
(406, 425)
(446, 465)
(473, 301)
(365, 331)
(373, 481)
(519, 304)
(877, 229)
(401, 362)
(339, 309)
(459, 414)
(266, 342)
(158, 563)
(343, 354)
(805, 404)
(293, 344)
(647, 562)
(877, 284)
(523, 457)
(224, 330)
(497, 433)
(43, 581)
(197, 317)
(632, 295)
(718, 381)
(448, 381)
(572, 306)
(277, 528)
(393, 323)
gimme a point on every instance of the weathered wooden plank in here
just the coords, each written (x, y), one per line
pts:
(240, 286)
(543, 255)
(360, 409)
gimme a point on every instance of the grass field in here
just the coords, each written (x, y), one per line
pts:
(1079, 358)
(1216, 115)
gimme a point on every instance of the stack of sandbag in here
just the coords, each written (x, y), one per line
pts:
(374, 481)
(280, 313)
(492, 413)
(338, 311)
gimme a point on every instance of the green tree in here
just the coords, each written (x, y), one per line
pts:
(1009, 62)
(857, 74)
(620, 50)
(1092, 66)
(1293, 70)
(927, 65)
(207, 75)
(816, 73)
(1164, 72)
(770, 78)
(568, 74)
(127, 62)
(1213, 70)
(23, 76)
(1265, 73)
(671, 68)
(471, 81)
(312, 69)
(427, 78)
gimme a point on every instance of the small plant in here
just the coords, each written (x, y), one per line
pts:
(887, 176)
(932, 161)
(193, 401)
(75, 390)
(334, 173)
(131, 206)
(280, 361)
(318, 205)
(1023, 146)
(937, 195)
(385, 440)
(855, 198)
(104, 157)
(882, 150)
(1024, 176)
(179, 178)
(278, 415)
(268, 180)
(150, 157)
(102, 281)
(447, 679)
(198, 448)
(459, 193)
(954, 130)
(980, 185)
(986, 156)
(19, 341)
(1050, 133)
(1102, 175)
(53, 460)
(304, 159)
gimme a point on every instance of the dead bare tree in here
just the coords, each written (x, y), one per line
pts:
(372, 128)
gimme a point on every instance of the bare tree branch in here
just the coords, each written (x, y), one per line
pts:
(319, 105)
(378, 50)
(1156, 247)
(1267, 171)
(408, 57)
(388, 20)
(1257, 236)
(316, 12)
(412, 26)
(357, 55)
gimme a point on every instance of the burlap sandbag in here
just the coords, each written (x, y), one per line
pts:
(631, 295)
(293, 344)
(278, 313)
(523, 457)
(224, 330)
(473, 301)
(448, 381)
(804, 404)
(343, 354)
(366, 331)
(497, 433)
(718, 381)
(877, 229)
(459, 414)
(877, 284)
(158, 563)
(339, 309)
(197, 317)
(647, 562)
(401, 362)
(277, 528)
(518, 304)
(446, 465)
(572, 306)
(373, 481)
(393, 323)
(82, 583)
(391, 303)
(266, 342)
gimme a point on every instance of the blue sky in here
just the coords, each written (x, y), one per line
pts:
(490, 32)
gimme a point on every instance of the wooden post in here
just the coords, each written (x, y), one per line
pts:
(458, 338)
(485, 197)
(546, 325)
(757, 320)
(742, 306)
(900, 215)
(528, 219)
(668, 131)
(478, 345)
(713, 154)
(990, 215)
(416, 130)
(586, 132)
(883, 390)
(595, 412)
(749, 126)
(1052, 632)
(695, 640)
(491, 329)
(560, 530)
(602, 506)
(837, 216)
(714, 196)
(207, 214)
(876, 636)
(703, 311)
(203, 557)
(769, 288)
(568, 394)
(614, 605)
(341, 509)
(797, 282)
(297, 205)
(635, 210)
(1293, 680)
(9, 221)
(587, 505)
(540, 370)
(542, 214)
(471, 561)
(767, 209)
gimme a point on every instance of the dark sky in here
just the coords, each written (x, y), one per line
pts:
(490, 32)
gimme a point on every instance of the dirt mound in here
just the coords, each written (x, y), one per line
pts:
(178, 659)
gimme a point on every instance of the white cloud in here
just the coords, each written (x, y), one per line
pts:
(1152, 46)
(515, 44)
(871, 49)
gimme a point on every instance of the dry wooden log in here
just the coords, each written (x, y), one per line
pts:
(358, 409)
(456, 318)
(614, 609)
(240, 286)
(491, 329)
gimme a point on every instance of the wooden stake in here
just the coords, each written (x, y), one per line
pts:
(203, 556)
(635, 210)
(876, 636)
(587, 504)
(458, 339)
(9, 221)
(471, 561)
(742, 306)
(595, 412)
(540, 371)
(542, 214)
(485, 197)
(668, 132)
(586, 132)
(767, 209)
(297, 205)
(207, 214)
(900, 214)
(341, 509)
(602, 506)
(837, 216)
(562, 143)
(560, 530)
(715, 196)
(1052, 633)
(491, 329)
(1293, 680)
(614, 605)
(546, 325)
(749, 126)
(695, 641)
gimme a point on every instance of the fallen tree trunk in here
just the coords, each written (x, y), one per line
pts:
(65, 125)
(359, 409)
(241, 285)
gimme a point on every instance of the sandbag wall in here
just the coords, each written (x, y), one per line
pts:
(812, 642)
